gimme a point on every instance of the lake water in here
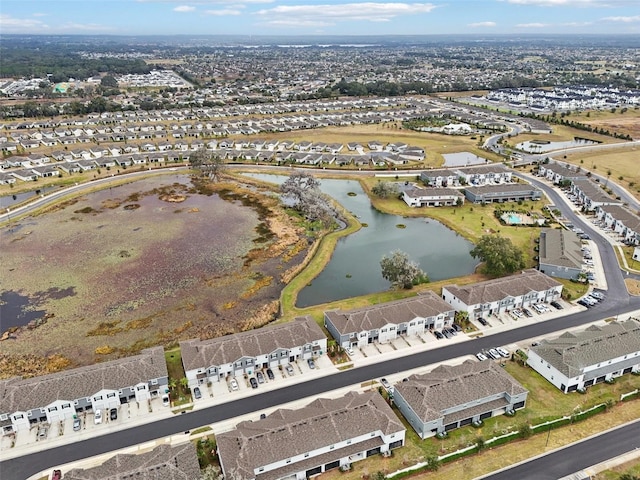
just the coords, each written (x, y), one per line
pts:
(354, 268)
(533, 147)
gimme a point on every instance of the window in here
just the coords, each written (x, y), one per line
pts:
(154, 381)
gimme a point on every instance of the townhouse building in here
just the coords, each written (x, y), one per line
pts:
(500, 295)
(560, 253)
(297, 444)
(432, 197)
(246, 352)
(513, 192)
(621, 221)
(451, 397)
(591, 195)
(58, 396)
(387, 321)
(557, 173)
(576, 360)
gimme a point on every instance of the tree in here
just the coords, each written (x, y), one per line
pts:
(384, 189)
(303, 191)
(499, 255)
(109, 81)
(209, 164)
(400, 271)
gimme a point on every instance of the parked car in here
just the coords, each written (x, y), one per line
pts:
(481, 356)
(42, 432)
(387, 386)
(597, 295)
(452, 331)
(349, 351)
(263, 416)
(311, 363)
(260, 377)
(584, 303)
(493, 353)
(456, 327)
(97, 417)
(113, 414)
(56, 475)
(503, 352)
(527, 312)
(166, 401)
(438, 335)
(234, 384)
(446, 333)
(197, 393)
(289, 370)
(77, 424)
(556, 305)
(483, 322)
(270, 374)
(253, 382)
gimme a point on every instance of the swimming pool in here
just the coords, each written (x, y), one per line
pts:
(511, 218)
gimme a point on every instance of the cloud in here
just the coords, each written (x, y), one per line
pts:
(559, 3)
(184, 8)
(482, 24)
(324, 15)
(576, 24)
(224, 12)
(9, 24)
(532, 25)
(210, 2)
(633, 19)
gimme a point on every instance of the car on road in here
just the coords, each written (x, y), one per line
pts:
(253, 382)
(349, 351)
(260, 377)
(493, 353)
(97, 417)
(311, 363)
(77, 424)
(556, 305)
(197, 393)
(113, 414)
(503, 352)
(481, 356)
(270, 374)
(234, 385)
(289, 370)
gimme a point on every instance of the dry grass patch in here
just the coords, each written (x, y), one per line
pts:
(562, 133)
(627, 123)
(633, 286)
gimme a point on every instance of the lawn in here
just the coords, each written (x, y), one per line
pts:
(180, 394)
(627, 123)
(631, 468)
(572, 290)
(561, 133)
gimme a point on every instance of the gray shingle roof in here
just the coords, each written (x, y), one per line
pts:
(560, 247)
(424, 305)
(593, 191)
(447, 387)
(522, 188)
(162, 463)
(621, 214)
(287, 433)
(18, 394)
(500, 288)
(432, 192)
(570, 353)
(223, 350)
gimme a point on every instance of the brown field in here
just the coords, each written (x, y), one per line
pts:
(627, 123)
(146, 263)
(562, 133)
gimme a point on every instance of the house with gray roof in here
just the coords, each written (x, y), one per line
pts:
(512, 192)
(246, 352)
(297, 444)
(491, 173)
(441, 177)
(387, 321)
(557, 173)
(432, 197)
(560, 253)
(621, 221)
(451, 397)
(164, 462)
(577, 360)
(502, 294)
(61, 395)
(591, 195)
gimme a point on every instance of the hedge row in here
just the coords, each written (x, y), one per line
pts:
(551, 426)
(633, 396)
(456, 456)
(503, 440)
(589, 413)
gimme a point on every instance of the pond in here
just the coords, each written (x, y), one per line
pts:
(354, 268)
(540, 147)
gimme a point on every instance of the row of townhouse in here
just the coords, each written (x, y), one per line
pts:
(557, 173)
(243, 353)
(492, 173)
(576, 360)
(560, 253)
(482, 299)
(622, 221)
(443, 197)
(591, 195)
(59, 396)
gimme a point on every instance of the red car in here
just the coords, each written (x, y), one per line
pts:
(57, 475)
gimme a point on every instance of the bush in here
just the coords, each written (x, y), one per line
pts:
(578, 417)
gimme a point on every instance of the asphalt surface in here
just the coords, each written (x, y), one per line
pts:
(576, 457)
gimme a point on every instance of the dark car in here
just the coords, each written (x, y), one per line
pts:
(270, 374)
(584, 303)
(312, 364)
(457, 327)
(527, 312)
(446, 333)
(263, 416)
(260, 377)
(253, 382)
(438, 335)
(483, 322)
(556, 305)
(197, 393)
(113, 414)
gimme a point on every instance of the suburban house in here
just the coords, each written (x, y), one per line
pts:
(502, 294)
(485, 174)
(387, 321)
(297, 444)
(432, 197)
(164, 461)
(440, 178)
(245, 352)
(513, 192)
(590, 195)
(54, 397)
(451, 397)
(576, 360)
(622, 221)
(560, 253)
(557, 173)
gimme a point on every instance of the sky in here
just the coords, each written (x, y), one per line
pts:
(318, 17)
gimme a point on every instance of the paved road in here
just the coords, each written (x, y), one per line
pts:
(575, 457)
(23, 467)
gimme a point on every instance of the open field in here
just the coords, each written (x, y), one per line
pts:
(562, 133)
(630, 468)
(621, 162)
(627, 123)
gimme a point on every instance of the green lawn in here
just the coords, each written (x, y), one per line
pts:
(180, 394)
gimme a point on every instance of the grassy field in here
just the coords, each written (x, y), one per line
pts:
(627, 123)
(562, 133)
(181, 393)
(630, 468)
(572, 290)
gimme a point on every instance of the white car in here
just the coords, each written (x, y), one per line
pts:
(97, 417)
(166, 401)
(503, 352)
(494, 353)
(234, 384)
(481, 356)
(349, 351)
